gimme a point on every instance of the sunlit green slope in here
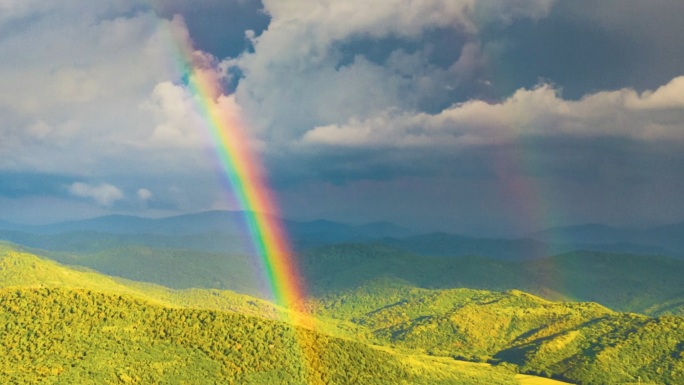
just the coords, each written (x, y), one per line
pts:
(76, 326)
(615, 349)
(62, 326)
(582, 342)
(19, 268)
(73, 336)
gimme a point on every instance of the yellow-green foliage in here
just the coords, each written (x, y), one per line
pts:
(471, 324)
(56, 330)
(24, 269)
(57, 335)
(67, 336)
(64, 326)
(618, 348)
(583, 342)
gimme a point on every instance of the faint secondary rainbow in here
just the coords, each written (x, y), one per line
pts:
(246, 176)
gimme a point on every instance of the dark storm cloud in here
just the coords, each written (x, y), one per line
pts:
(218, 26)
(343, 165)
(584, 46)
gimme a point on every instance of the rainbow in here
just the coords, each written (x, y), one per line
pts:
(246, 176)
(253, 195)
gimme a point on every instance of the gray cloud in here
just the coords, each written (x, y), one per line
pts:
(410, 111)
(302, 73)
(96, 92)
(650, 116)
(217, 26)
(584, 46)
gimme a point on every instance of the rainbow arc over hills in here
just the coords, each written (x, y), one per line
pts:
(253, 194)
(249, 185)
(246, 175)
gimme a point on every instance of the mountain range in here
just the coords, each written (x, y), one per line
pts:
(226, 231)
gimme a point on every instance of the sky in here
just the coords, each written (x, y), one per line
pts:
(496, 117)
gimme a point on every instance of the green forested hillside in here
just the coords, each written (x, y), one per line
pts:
(77, 336)
(64, 326)
(582, 342)
(172, 267)
(471, 324)
(650, 285)
(19, 268)
(615, 349)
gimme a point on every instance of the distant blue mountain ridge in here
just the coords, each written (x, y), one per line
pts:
(227, 231)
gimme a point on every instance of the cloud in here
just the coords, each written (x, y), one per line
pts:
(649, 116)
(144, 194)
(334, 21)
(305, 71)
(98, 93)
(385, 98)
(217, 26)
(104, 194)
(176, 117)
(587, 45)
(670, 95)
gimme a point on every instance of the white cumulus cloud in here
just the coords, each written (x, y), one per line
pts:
(97, 90)
(652, 116)
(104, 194)
(144, 194)
(298, 77)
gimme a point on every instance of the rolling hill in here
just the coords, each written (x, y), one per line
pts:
(206, 231)
(517, 249)
(227, 231)
(61, 325)
(65, 326)
(584, 343)
(646, 284)
(78, 336)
